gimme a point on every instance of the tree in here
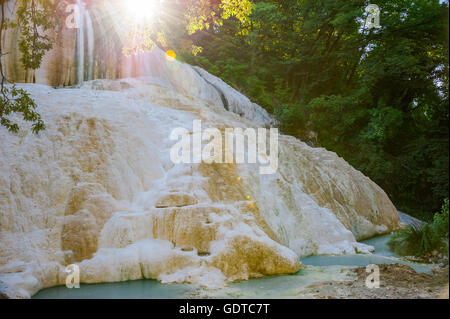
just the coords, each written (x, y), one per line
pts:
(378, 97)
(34, 18)
(190, 15)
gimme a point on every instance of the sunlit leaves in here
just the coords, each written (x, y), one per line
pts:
(141, 39)
(202, 13)
(15, 100)
(196, 15)
(196, 49)
(35, 18)
(240, 9)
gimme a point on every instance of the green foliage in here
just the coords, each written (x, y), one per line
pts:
(423, 241)
(188, 15)
(378, 98)
(441, 226)
(383, 124)
(412, 241)
(34, 18)
(15, 100)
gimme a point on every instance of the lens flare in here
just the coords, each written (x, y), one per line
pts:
(171, 55)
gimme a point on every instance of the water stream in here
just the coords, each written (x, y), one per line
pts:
(318, 269)
(80, 42)
(91, 43)
(85, 31)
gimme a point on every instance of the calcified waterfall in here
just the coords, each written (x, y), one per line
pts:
(80, 17)
(85, 31)
(91, 44)
(97, 187)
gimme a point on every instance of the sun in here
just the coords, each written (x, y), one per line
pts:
(141, 10)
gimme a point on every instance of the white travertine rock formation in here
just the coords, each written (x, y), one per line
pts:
(97, 188)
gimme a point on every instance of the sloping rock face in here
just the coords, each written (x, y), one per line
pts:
(98, 189)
